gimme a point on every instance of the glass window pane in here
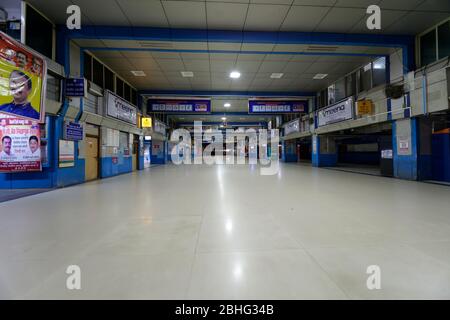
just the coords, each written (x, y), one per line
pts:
(428, 48)
(38, 32)
(134, 97)
(109, 80)
(126, 92)
(119, 87)
(87, 66)
(444, 40)
(350, 85)
(366, 75)
(97, 73)
(331, 94)
(339, 90)
(379, 71)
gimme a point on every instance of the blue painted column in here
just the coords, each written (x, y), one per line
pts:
(288, 152)
(324, 153)
(412, 149)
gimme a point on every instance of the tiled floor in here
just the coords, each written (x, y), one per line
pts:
(227, 232)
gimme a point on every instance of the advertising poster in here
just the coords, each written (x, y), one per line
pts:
(118, 108)
(20, 145)
(66, 153)
(22, 80)
(339, 112)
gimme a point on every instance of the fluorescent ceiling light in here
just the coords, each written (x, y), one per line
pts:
(320, 76)
(187, 74)
(227, 105)
(223, 118)
(138, 73)
(235, 74)
(276, 75)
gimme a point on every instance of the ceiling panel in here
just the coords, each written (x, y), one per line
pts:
(247, 66)
(143, 63)
(265, 17)
(226, 15)
(388, 17)
(435, 5)
(185, 14)
(52, 11)
(102, 12)
(278, 57)
(251, 57)
(356, 3)
(272, 66)
(194, 56)
(422, 21)
(302, 18)
(223, 56)
(340, 20)
(196, 65)
(144, 13)
(166, 55)
(222, 65)
(315, 2)
(296, 66)
(136, 54)
(170, 64)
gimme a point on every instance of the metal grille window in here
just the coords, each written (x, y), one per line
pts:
(90, 104)
(53, 87)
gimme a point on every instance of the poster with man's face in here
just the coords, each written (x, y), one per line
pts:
(22, 80)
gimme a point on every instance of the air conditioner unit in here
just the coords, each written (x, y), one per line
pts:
(394, 91)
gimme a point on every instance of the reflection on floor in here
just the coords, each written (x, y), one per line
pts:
(358, 168)
(227, 232)
(11, 194)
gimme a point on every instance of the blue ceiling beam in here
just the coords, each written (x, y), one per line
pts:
(225, 93)
(195, 35)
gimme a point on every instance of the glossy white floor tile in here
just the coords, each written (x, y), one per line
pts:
(227, 232)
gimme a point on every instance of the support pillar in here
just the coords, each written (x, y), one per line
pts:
(412, 148)
(324, 151)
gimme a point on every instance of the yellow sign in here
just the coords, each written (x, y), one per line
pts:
(146, 122)
(364, 107)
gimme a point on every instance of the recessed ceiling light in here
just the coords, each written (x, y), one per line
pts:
(276, 75)
(227, 105)
(320, 76)
(187, 74)
(223, 118)
(235, 74)
(138, 73)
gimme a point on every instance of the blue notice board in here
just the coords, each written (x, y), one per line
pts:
(75, 87)
(179, 106)
(277, 106)
(73, 131)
